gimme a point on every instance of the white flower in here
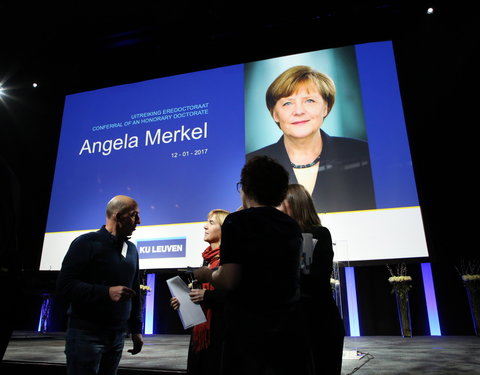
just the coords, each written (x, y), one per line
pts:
(469, 277)
(399, 279)
(334, 281)
(145, 288)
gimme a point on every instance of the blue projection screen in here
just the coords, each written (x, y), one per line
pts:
(177, 145)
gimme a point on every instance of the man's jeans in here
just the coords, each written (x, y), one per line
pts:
(93, 352)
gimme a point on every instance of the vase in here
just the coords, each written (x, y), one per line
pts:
(403, 308)
(45, 312)
(337, 297)
(474, 303)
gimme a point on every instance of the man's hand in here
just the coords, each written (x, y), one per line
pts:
(120, 293)
(137, 343)
(203, 274)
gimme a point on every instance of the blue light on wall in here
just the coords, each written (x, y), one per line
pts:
(44, 313)
(430, 300)
(149, 304)
(352, 301)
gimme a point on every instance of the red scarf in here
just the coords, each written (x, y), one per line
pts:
(201, 332)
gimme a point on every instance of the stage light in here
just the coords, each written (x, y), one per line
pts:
(430, 11)
(149, 305)
(352, 301)
(430, 299)
(35, 84)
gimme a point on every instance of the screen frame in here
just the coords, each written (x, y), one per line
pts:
(374, 261)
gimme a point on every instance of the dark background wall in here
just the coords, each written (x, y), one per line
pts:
(78, 48)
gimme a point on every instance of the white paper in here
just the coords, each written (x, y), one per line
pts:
(190, 313)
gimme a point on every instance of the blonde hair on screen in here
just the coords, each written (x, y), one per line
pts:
(288, 82)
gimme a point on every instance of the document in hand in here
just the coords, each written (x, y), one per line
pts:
(190, 313)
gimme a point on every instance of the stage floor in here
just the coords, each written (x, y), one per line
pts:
(167, 354)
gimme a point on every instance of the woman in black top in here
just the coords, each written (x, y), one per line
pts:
(326, 331)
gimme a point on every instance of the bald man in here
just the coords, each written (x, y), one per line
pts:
(100, 279)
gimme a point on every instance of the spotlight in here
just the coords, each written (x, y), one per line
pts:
(35, 84)
(430, 11)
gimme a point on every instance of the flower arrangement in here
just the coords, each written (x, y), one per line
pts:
(470, 275)
(468, 278)
(334, 282)
(144, 289)
(336, 293)
(335, 277)
(401, 282)
(334, 285)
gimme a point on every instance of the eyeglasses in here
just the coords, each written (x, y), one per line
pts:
(239, 186)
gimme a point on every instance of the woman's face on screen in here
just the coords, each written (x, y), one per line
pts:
(301, 114)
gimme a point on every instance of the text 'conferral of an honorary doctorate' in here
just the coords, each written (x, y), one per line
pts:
(151, 137)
